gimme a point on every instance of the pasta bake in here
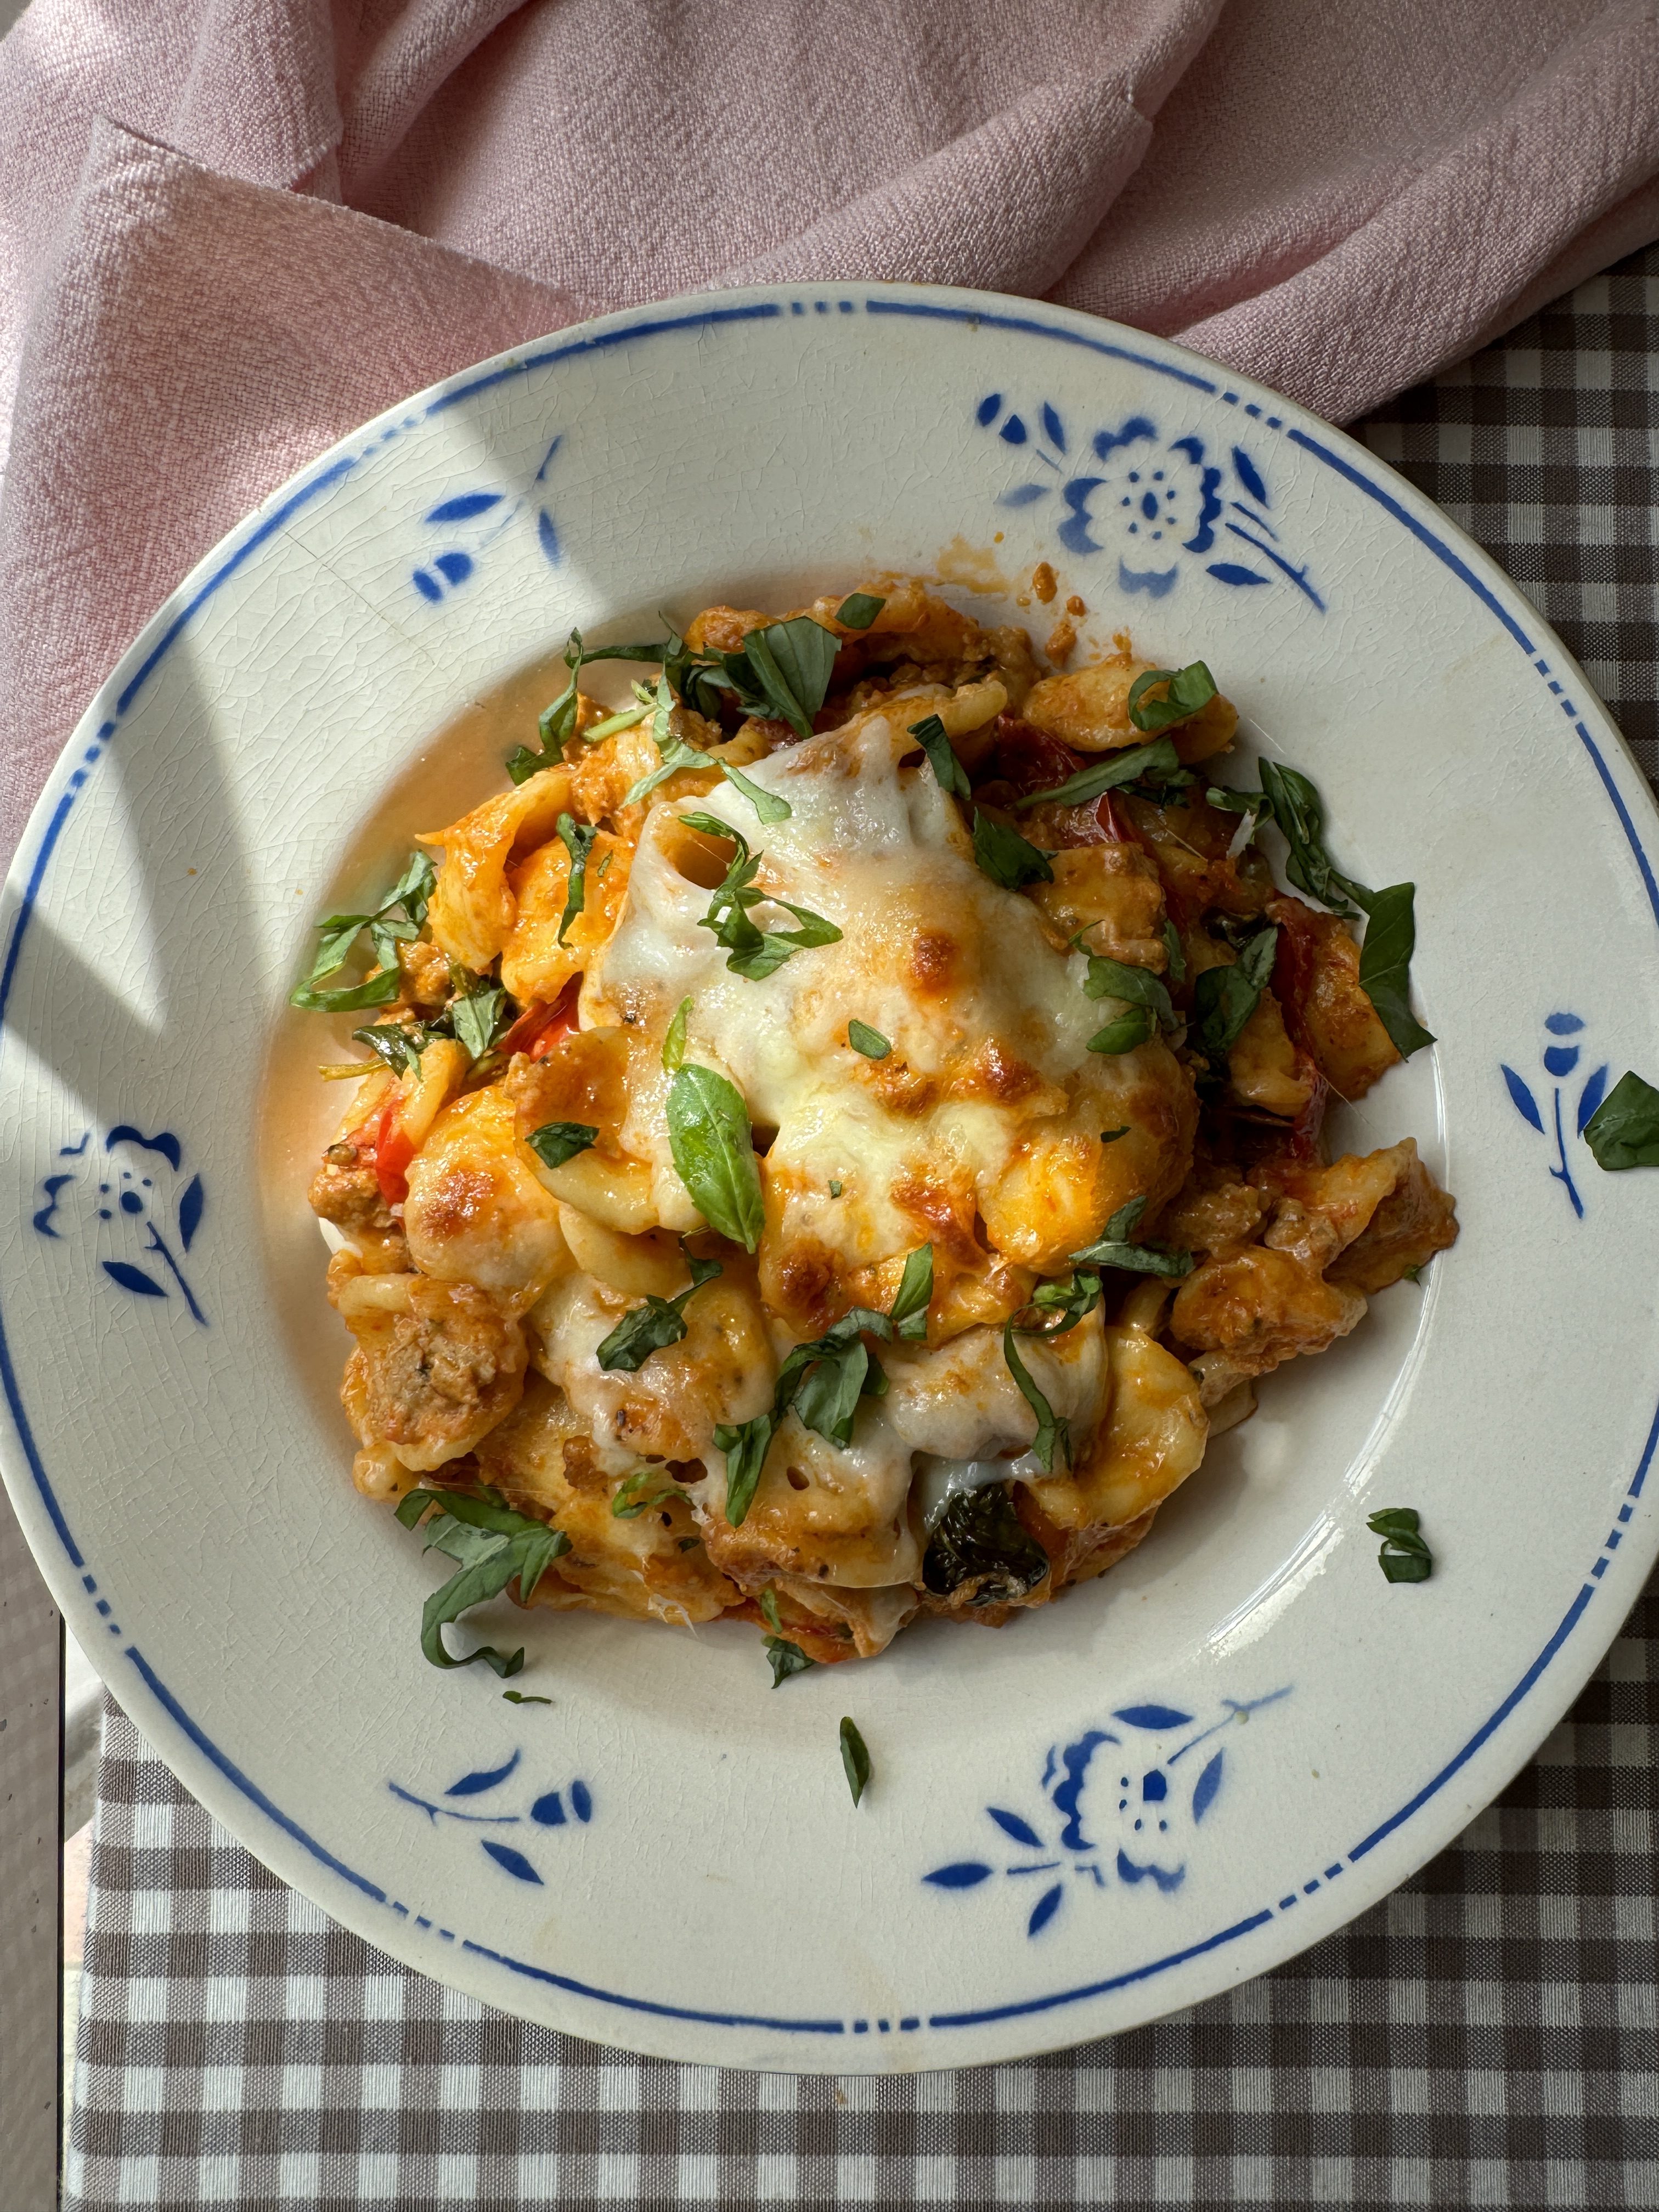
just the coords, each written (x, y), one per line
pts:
(835, 1137)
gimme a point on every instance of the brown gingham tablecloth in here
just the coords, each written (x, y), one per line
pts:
(1489, 2035)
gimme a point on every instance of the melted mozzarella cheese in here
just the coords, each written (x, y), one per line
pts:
(989, 1104)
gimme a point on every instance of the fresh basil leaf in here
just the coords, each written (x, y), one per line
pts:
(1111, 1136)
(1127, 1218)
(524, 1698)
(859, 610)
(814, 929)
(1159, 758)
(855, 1759)
(768, 1606)
(633, 1495)
(1113, 1249)
(1624, 1130)
(834, 1187)
(673, 1043)
(480, 1013)
(625, 719)
(1237, 802)
(979, 1540)
(709, 1134)
(399, 1044)
(1225, 998)
(1053, 1432)
(1136, 987)
(786, 1659)
(1006, 856)
(767, 803)
(413, 889)
(1299, 812)
(675, 752)
(792, 664)
(378, 991)
(745, 1448)
(1185, 691)
(870, 1043)
(1404, 1557)
(932, 737)
(915, 1294)
(1385, 963)
(578, 840)
(1124, 1034)
(496, 1546)
(656, 1325)
(1062, 1305)
(1178, 958)
(555, 1142)
(826, 1395)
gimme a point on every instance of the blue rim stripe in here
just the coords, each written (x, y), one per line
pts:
(330, 473)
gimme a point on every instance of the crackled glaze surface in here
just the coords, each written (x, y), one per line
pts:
(1159, 1786)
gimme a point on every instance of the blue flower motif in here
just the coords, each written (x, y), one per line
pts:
(1148, 499)
(546, 1810)
(1559, 1061)
(1143, 1829)
(483, 517)
(129, 1198)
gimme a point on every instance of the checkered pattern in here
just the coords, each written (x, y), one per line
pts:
(1488, 2036)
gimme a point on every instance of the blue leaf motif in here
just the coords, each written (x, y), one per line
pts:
(1525, 1104)
(1011, 1825)
(963, 1874)
(484, 1777)
(1022, 495)
(427, 584)
(547, 535)
(1594, 1091)
(1233, 572)
(1158, 582)
(461, 509)
(582, 1801)
(190, 1211)
(1249, 476)
(1151, 1716)
(1563, 1024)
(457, 566)
(548, 1811)
(989, 409)
(1206, 1787)
(514, 1862)
(1013, 431)
(1053, 428)
(133, 1278)
(1560, 1059)
(1044, 1910)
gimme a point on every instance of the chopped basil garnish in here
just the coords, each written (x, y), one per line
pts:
(399, 1044)
(673, 1043)
(915, 1294)
(746, 1446)
(1051, 1430)
(859, 610)
(1006, 856)
(1177, 956)
(397, 921)
(750, 951)
(656, 1325)
(493, 1545)
(675, 752)
(1404, 1558)
(931, 736)
(1158, 759)
(1111, 1136)
(768, 1606)
(1624, 1130)
(1062, 1305)
(524, 1698)
(578, 842)
(786, 1659)
(767, 803)
(1113, 1249)
(609, 728)
(834, 1187)
(1136, 987)
(479, 1013)
(709, 1134)
(1225, 998)
(555, 1142)
(1385, 960)
(557, 721)
(1124, 1034)
(855, 1758)
(1296, 807)
(790, 665)
(633, 1495)
(870, 1043)
(1184, 692)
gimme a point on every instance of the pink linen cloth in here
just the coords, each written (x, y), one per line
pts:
(231, 229)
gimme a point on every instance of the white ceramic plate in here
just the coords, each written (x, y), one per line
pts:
(1123, 1803)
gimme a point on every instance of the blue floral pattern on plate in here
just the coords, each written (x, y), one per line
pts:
(1142, 1829)
(1560, 1060)
(130, 1198)
(545, 1810)
(1152, 499)
(477, 519)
